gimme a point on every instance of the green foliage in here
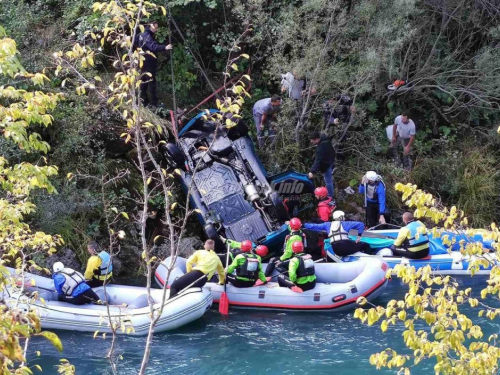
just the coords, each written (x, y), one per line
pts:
(20, 112)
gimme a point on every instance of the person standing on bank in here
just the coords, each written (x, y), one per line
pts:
(265, 111)
(99, 266)
(373, 188)
(403, 135)
(324, 159)
(147, 42)
(200, 267)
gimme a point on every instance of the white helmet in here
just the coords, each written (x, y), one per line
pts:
(338, 215)
(58, 266)
(371, 176)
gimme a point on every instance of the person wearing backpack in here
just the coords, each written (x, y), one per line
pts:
(248, 269)
(301, 270)
(326, 204)
(71, 286)
(99, 266)
(374, 190)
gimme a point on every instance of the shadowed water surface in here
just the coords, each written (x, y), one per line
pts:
(247, 342)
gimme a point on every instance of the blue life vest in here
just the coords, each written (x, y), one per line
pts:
(106, 264)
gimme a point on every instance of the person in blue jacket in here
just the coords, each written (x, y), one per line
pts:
(338, 232)
(373, 188)
(71, 286)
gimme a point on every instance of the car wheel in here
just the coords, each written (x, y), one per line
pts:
(173, 155)
(277, 202)
(211, 233)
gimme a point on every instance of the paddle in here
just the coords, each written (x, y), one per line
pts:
(224, 301)
(294, 288)
(354, 232)
(366, 207)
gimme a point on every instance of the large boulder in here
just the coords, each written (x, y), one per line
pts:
(66, 256)
(188, 246)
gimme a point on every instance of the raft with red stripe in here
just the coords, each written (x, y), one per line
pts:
(337, 289)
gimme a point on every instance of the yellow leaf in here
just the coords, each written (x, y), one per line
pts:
(173, 205)
(384, 325)
(52, 337)
(125, 215)
(69, 175)
(148, 181)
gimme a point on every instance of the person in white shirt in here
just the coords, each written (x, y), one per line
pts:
(291, 83)
(403, 135)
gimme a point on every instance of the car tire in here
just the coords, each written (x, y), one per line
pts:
(173, 155)
(277, 202)
(211, 233)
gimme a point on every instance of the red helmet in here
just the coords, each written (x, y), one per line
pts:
(295, 224)
(321, 192)
(261, 250)
(298, 247)
(246, 246)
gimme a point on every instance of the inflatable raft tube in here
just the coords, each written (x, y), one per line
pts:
(442, 264)
(338, 287)
(436, 244)
(128, 305)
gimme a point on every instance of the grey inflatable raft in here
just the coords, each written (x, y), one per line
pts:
(338, 287)
(128, 306)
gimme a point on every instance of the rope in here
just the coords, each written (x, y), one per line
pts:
(173, 113)
(192, 54)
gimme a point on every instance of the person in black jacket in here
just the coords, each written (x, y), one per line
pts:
(147, 42)
(324, 160)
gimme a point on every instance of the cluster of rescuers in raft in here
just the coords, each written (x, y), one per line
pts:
(244, 269)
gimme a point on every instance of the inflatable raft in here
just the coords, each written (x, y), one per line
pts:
(440, 260)
(128, 306)
(338, 287)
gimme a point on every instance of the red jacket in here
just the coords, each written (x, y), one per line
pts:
(325, 209)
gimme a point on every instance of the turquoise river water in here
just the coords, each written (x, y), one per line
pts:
(248, 342)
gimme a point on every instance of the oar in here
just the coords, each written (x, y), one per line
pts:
(366, 207)
(294, 288)
(224, 301)
(354, 232)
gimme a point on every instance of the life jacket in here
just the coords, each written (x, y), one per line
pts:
(249, 269)
(371, 191)
(325, 209)
(72, 279)
(413, 244)
(106, 264)
(337, 232)
(297, 233)
(233, 253)
(306, 265)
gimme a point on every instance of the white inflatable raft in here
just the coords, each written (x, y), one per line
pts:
(338, 287)
(128, 306)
